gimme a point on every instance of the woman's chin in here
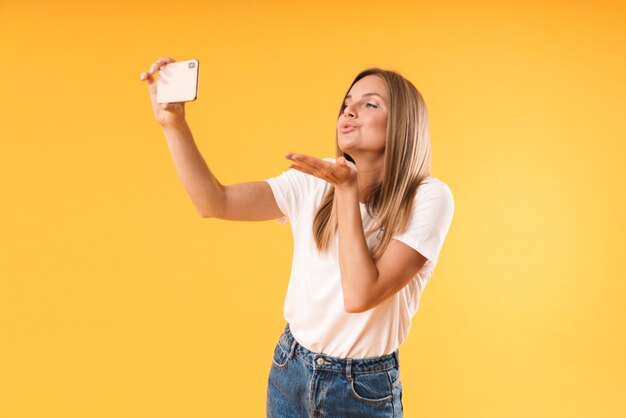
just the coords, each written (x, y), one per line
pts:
(346, 146)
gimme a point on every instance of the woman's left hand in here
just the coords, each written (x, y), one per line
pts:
(342, 173)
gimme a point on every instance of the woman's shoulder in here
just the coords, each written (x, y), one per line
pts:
(433, 187)
(433, 183)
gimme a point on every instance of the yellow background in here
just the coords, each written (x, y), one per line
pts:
(118, 300)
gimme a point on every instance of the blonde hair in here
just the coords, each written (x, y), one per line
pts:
(407, 163)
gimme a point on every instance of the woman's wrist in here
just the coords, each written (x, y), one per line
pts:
(175, 125)
(177, 129)
(347, 191)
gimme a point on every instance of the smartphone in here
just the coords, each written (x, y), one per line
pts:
(178, 82)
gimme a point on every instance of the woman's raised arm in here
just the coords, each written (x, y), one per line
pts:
(253, 201)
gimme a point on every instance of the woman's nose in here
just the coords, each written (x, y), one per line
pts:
(348, 112)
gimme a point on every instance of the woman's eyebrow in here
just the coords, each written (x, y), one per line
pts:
(366, 94)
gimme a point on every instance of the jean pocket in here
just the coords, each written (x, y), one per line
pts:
(372, 387)
(394, 376)
(281, 354)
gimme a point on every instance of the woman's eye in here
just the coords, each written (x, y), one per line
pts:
(372, 105)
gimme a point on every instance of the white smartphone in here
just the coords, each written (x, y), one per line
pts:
(178, 82)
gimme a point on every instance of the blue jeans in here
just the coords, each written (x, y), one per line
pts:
(304, 384)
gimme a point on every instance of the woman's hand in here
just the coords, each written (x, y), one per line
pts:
(342, 174)
(167, 114)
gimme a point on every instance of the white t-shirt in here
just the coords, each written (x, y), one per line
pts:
(314, 302)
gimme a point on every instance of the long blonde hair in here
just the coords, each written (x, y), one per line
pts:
(406, 164)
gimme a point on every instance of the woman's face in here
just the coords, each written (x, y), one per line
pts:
(362, 127)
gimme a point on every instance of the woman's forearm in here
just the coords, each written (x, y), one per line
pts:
(359, 273)
(358, 270)
(205, 191)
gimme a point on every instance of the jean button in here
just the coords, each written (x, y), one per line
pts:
(320, 361)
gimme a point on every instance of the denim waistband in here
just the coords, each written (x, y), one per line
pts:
(344, 365)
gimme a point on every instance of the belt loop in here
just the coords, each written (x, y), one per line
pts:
(292, 350)
(349, 369)
(397, 356)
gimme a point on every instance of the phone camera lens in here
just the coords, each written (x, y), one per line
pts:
(192, 65)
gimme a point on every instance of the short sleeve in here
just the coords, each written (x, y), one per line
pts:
(288, 189)
(430, 221)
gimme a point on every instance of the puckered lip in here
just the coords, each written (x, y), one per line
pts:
(347, 126)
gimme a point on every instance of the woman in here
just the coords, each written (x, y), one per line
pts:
(368, 227)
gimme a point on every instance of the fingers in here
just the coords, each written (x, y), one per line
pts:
(160, 63)
(304, 169)
(308, 164)
(154, 68)
(146, 76)
(314, 166)
(306, 159)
